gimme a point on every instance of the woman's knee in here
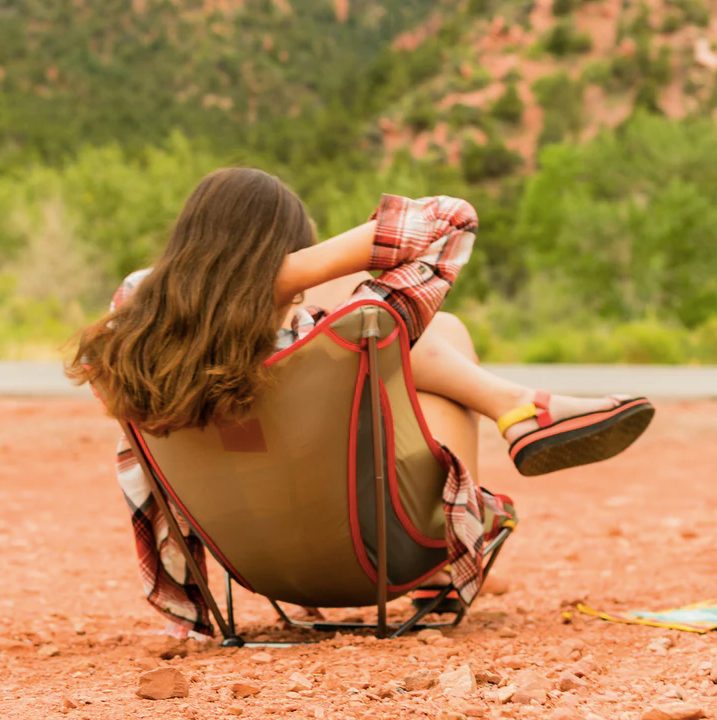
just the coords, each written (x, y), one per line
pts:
(452, 330)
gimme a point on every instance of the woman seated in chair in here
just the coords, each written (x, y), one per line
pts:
(242, 277)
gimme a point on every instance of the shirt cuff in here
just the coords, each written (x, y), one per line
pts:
(392, 244)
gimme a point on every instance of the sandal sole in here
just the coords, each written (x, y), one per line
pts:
(423, 596)
(582, 440)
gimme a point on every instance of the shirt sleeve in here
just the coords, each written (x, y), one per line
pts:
(128, 286)
(420, 245)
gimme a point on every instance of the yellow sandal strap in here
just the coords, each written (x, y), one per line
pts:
(524, 412)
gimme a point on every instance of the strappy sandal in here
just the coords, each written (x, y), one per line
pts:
(425, 594)
(579, 440)
(422, 596)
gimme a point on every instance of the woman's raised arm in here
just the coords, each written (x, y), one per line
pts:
(344, 254)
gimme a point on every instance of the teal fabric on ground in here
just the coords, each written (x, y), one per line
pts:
(691, 616)
(700, 617)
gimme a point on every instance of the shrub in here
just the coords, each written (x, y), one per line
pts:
(498, 160)
(523, 15)
(650, 342)
(422, 116)
(472, 161)
(628, 222)
(478, 79)
(464, 115)
(561, 8)
(671, 23)
(480, 7)
(562, 97)
(661, 66)
(705, 341)
(640, 26)
(554, 129)
(493, 160)
(692, 85)
(597, 73)
(582, 43)
(563, 40)
(646, 97)
(509, 107)
(624, 72)
(549, 348)
(695, 12)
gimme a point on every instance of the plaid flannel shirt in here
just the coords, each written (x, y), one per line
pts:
(420, 246)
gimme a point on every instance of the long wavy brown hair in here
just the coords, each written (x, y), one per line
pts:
(188, 346)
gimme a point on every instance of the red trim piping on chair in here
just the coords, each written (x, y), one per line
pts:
(356, 537)
(388, 340)
(320, 327)
(343, 342)
(195, 526)
(356, 347)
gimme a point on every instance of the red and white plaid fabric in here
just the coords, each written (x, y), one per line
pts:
(420, 245)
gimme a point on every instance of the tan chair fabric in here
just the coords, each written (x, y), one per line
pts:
(271, 495)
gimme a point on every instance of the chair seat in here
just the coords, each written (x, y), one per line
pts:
(285, 498)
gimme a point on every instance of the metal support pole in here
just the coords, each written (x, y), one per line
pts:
(371, 333)
(230, 602)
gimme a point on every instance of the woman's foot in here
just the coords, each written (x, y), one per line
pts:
(561, 407)
(549, 433)
(492, 585)
(428, 591)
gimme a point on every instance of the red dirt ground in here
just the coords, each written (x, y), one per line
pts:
(637, 532)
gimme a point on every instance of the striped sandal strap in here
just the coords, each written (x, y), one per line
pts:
(538, 409)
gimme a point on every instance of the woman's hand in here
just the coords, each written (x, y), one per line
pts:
(344, 254)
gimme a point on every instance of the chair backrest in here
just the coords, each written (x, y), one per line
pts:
(284, 499)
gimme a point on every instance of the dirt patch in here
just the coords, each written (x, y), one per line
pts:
(76, 634)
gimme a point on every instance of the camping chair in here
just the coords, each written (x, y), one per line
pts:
(328, 494)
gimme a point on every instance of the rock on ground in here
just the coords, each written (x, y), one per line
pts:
(568, 681)
(565, 714)
(422, 680)
(299, 682)
(674, 711)
(162, 684)
(458, 683)
(449, 715)
(525, 696)
(246, 688)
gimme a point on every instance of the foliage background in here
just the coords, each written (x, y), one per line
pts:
(591, 249)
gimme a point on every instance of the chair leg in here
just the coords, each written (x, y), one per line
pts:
(322, 626)
(493, 548)
(230, 602)
(411, 623)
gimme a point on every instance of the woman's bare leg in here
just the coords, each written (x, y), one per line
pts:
(459, 429)
(444, 363)
(456, 427)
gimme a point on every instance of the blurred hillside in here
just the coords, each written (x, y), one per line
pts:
(95, 71)
(583, 132)
(528, 74)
